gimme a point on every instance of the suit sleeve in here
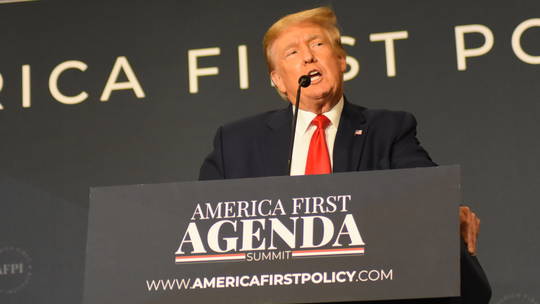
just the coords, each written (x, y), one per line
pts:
(406, 149)
(475, 288)
(213, 167)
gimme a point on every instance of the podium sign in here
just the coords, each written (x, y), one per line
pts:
(356, 236)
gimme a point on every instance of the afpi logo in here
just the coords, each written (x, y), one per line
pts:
(15, 269)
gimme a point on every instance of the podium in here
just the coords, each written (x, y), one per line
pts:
(346, 237)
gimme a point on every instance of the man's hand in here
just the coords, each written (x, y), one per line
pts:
(469, 226)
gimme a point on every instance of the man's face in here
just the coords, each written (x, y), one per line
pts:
(306, 49)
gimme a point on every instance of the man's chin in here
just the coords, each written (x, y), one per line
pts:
(320, 96)
(322, 102)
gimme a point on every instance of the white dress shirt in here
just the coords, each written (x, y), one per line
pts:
(304, 131)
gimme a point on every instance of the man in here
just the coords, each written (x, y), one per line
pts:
(332, 134)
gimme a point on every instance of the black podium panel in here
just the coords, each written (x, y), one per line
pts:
(376, 235)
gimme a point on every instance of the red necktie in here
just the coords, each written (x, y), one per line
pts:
(318, 160)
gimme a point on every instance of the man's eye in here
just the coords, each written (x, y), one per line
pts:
(289, 53)
(318, 44)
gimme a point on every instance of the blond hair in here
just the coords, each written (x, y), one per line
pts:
(321, 16)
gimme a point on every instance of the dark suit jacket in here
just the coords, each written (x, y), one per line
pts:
(258, 146)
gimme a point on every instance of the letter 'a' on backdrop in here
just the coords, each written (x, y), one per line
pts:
(324, 238)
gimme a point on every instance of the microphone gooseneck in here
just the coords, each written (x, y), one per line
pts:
(303, 82)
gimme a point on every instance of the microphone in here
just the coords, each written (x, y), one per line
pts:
(303, 82)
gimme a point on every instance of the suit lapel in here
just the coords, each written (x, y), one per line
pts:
(348, 145)
(275, 144)
(350, 139)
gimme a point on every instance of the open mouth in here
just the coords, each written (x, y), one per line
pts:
(314, 75)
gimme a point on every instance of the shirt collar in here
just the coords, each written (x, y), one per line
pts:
(305, 117)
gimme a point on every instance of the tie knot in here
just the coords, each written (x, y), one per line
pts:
(321, 121)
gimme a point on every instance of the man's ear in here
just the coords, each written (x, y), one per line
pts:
(278, 81)
(343, 62)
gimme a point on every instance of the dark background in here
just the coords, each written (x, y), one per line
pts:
(485, 118)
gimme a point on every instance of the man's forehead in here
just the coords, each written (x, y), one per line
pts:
(301, 32)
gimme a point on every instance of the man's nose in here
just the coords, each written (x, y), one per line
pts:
(308, 56)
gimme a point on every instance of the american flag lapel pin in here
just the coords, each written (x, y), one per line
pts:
(358, 132)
